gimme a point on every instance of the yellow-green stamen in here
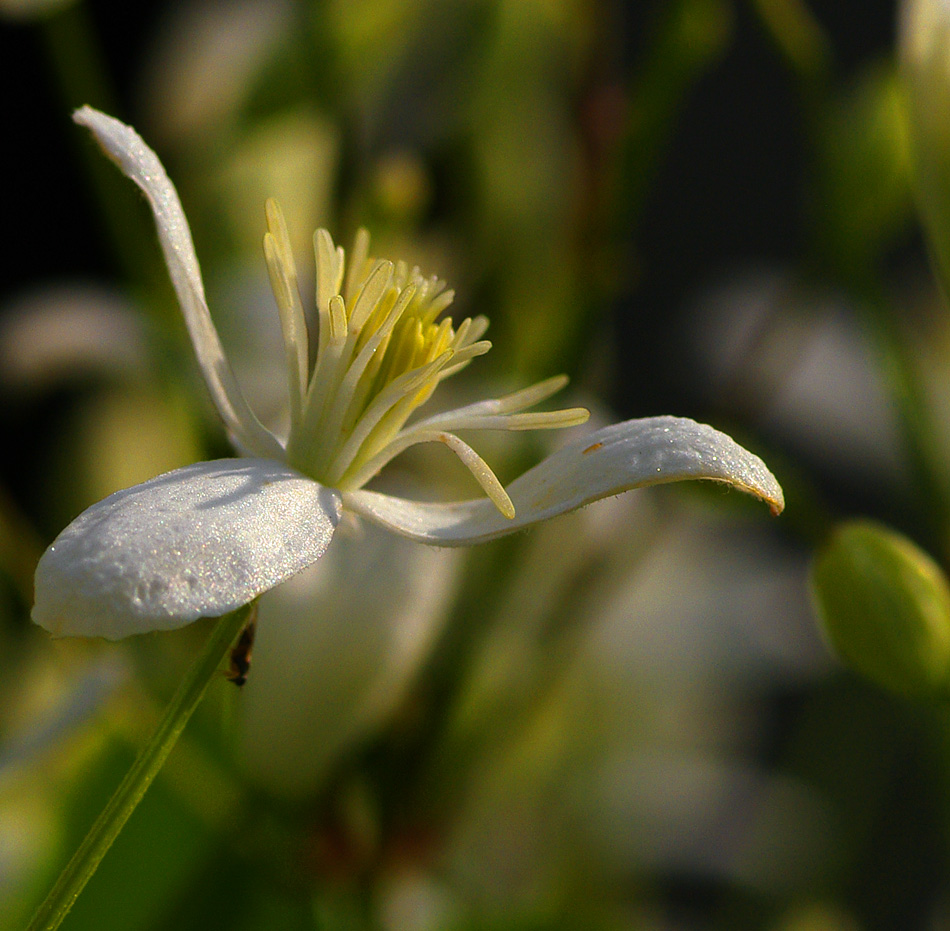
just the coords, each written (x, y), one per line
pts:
(381, 353)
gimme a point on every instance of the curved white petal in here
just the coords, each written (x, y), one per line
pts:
(627, 455)
(140, 164)
(196, 542)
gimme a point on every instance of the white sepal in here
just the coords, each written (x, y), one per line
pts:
(632, 454)
(139, 163)
(197, 542)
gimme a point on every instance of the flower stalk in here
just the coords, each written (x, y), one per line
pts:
(146, 767)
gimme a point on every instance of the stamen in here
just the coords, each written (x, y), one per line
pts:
(401, 274)
(376, 319)
(470, 459)
(329, 264)
(338, 325)
(283, 276)
(477, 329)
(370, 293)
(346, 398)
(355, 273)
(534, 420)
(483, 474)
(533, 394)
(383, 418)
(304, 434)
(440, 302)
(464, 356)
(510, 403)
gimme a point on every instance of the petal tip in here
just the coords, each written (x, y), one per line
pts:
(776, 503)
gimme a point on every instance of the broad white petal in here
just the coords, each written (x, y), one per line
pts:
(627, 455)
(140, 164)
(196, 542)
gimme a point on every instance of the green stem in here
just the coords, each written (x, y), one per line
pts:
(86, 860)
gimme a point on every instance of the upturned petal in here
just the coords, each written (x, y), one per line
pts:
(139, 163)
(197, 542)
(633, 454)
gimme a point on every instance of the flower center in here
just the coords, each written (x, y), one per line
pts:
(381, 353)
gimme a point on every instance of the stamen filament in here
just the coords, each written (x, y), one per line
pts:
(369, 295)
(283, 279)
(532, 420)
(470, 459)
(376, 419)
(464, 356)
(346, 398)
(502, 413)
(356, 272)
(329, 266)
(304, 434)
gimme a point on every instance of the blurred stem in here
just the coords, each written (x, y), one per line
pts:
(635, 118)
(799, 37)
(77, 59)
(20, 547)
(150, 760)
(919, 433)
(808, 52)
(688, 40)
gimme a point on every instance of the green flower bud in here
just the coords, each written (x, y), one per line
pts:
(885, 608)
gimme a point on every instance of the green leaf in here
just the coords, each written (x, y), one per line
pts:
(925, 69)
(863, 198)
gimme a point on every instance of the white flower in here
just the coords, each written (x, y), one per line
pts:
(337, 649)
(206, 539)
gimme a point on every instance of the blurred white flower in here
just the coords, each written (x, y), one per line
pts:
(799, 363)
(82, 334)
(337, 647)
(61, 331)
(205, 60)
(614, 715)
(206, 539)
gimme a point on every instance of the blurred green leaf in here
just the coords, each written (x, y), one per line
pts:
(885, 608)
(163, 846)
(925, 63)
(798, 36)
(864, 194)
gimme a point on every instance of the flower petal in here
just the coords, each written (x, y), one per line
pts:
(627, 455)
(196, 542)
(139, 163)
